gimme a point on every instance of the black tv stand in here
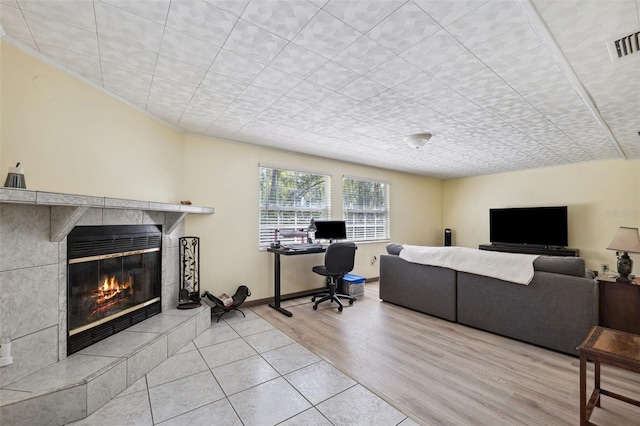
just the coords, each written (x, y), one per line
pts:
(527, 249)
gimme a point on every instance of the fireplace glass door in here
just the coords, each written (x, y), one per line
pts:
(111, 285)
(114, 280)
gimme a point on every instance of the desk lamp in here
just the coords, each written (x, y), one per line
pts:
(626, 240)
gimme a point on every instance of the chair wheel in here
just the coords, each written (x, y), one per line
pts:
(315, 307)
(351, 301)
(339, 308)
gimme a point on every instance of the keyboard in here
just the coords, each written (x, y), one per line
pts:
(306, 246)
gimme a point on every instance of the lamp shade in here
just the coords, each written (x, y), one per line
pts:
(626, 240)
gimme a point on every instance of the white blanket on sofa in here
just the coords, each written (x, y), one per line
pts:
(517, 268)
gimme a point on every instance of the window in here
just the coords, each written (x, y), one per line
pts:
(288, 201)
(365, 208)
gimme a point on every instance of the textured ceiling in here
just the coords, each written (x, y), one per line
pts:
(502, 85)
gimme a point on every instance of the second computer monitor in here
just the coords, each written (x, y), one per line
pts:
(331, 230)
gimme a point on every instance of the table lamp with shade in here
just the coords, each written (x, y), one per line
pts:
(627, 240)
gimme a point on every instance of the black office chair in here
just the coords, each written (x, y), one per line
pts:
(338, 260)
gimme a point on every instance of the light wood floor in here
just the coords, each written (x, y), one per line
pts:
(442, 373)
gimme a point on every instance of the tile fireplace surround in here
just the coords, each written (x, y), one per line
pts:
(33, 300)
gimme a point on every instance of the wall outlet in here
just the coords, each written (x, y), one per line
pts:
(604, 268)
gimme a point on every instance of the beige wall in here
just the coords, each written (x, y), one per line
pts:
(224, 175)
(601, 197)
(72, 138)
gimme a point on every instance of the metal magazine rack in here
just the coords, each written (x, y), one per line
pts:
(189, 294)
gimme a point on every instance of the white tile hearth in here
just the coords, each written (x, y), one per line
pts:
(158, 324)
(73, 371)
(49, 408)
(121, 344)
(223, 378)
(84, 382)
(33, 279)
(43, 385)
(148, 357)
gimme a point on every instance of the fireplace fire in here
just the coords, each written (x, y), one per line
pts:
(111, 293)
(113, 280)
(108, 296)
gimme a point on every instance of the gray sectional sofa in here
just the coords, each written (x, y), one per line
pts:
(556, 309)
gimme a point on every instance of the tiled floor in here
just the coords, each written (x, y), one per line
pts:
(243, 371)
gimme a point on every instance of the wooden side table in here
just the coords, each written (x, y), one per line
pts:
(620, 304)
(606, 346)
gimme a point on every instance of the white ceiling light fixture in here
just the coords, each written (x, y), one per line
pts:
(418, 140)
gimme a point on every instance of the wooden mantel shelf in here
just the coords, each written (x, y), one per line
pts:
(68, 209)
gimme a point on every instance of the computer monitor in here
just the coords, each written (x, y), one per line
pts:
(331, 230)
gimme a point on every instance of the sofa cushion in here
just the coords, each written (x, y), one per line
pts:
(560, 265)
(393, 248)
(555, 311)
(428, 289)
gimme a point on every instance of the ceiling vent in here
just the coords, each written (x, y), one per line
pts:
(625, 46)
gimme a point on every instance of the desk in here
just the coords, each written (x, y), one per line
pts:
(276, 273)
(607, 346)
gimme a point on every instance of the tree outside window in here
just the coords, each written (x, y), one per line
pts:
(366, 209)
(288, 201)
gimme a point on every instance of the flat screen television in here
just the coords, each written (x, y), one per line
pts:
(540, 226)
(331, 230)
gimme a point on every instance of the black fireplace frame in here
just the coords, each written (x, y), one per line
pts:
(87, 241)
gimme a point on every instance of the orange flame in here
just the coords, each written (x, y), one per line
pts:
(110, 288)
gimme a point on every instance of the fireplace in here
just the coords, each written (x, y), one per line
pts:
(113, 280)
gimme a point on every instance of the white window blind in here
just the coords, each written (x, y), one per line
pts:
(365, 208)
(288, 201)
